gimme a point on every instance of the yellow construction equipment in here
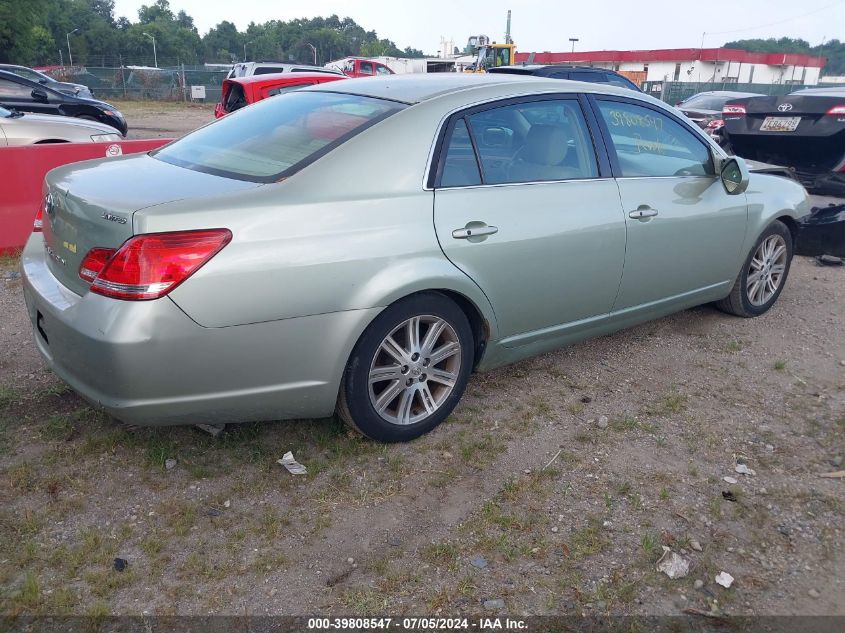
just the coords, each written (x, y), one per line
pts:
(490, 54)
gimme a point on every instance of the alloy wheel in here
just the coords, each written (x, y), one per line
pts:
(415, 369)
(766, 269)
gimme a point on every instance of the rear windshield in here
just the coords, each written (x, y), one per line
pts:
(276, 137)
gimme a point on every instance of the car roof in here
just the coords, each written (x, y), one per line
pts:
(415, 88)
(288, 77)
(4, 74)
(532, 67)
(833, 91)
(724, 93)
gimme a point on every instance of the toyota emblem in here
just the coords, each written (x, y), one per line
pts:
(785, 107)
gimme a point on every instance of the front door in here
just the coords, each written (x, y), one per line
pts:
(685, 233)
(521, 207)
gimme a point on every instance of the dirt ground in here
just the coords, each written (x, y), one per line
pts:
(552, 488)
(478, 510)
(158, 119)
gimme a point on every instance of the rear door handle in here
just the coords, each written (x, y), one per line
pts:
(642, 213)
(474, 231)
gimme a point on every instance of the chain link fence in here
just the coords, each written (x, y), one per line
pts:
(161, 84)
(673, 92)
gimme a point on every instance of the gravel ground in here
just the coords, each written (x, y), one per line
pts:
(553, 487)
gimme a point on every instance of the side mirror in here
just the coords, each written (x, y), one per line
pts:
(734, 175)
(39, 95)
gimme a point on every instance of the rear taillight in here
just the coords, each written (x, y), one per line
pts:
(715, 124)
(837, 111)
(94, 262)
(38, 223)
(733, 109)
(149, 266)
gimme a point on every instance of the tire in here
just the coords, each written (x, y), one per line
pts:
(750, 300)
(416, 391)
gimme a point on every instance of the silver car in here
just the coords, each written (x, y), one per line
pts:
(19, 128)
(363, 246)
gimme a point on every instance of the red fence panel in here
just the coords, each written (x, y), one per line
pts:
(23, 170)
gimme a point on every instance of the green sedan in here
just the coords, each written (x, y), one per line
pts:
(361, 247)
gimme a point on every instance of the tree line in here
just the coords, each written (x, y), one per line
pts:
(834, 50)
(40, 32)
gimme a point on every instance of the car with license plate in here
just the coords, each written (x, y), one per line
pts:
(247, 272)
(705, 109)
(804, 130)
(239, 93)
(19, 128)
(21, 94)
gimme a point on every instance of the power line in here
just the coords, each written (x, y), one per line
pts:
(763, 26)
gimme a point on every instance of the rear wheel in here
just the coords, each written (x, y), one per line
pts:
(408, 370)
(763, 274)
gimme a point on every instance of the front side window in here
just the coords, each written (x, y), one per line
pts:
(366, 68)
(533, 141)
(649, 143)
(383, 70)
(276, 137)
(10, 89)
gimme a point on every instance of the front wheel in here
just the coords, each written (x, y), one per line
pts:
(763, 274)
(408, 370)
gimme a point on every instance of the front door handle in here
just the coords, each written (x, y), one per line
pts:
(474, 229)
(642, 213)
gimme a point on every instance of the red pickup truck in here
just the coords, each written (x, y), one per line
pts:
(243, 91)
(355, 67)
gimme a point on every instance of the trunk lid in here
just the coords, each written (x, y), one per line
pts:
(92, 205)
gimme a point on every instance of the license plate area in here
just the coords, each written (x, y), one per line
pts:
(780, 124)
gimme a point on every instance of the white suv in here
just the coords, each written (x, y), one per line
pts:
(247, 69)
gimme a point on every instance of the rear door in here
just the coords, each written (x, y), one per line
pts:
(684, 231)
(524, 206)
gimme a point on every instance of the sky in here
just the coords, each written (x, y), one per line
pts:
(542, 26)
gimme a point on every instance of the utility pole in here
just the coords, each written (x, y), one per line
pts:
(314, 49)
(508, 38)
(573, 40)
(67, 37)
(245, 45)
(155, 57)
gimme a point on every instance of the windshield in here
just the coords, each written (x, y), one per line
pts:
(276, 137)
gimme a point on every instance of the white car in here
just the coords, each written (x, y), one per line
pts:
(248, 69)
(24, 128)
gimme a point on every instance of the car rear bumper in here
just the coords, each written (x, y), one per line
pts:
(146, 362)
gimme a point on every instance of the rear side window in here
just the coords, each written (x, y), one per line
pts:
(649, 143)
(461, 167)
(366, 68)
(268, 70)
(276, 137)
(592, 77)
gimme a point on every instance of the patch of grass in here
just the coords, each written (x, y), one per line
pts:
(439, 553)
(8, 397)
(29, 595)
(589, 540)
(734, 346)
(103, 583)
(179, 517)
(664, 494)
(650, 544)
(779, 365)
(364, 601)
